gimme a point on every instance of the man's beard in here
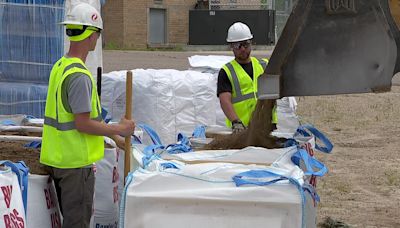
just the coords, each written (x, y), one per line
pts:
(243, 57)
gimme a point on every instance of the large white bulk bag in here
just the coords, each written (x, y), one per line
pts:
(106, 197)
(42, 208)
(170, 101)
(205, 195)
(12, 210)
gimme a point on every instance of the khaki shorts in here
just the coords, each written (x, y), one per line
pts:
(75, 190)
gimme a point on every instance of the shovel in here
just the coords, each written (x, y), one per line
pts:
(128, 116)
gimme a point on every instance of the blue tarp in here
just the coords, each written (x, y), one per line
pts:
(31, 40)
(22, 98)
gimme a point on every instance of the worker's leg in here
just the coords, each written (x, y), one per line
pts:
(76, 189)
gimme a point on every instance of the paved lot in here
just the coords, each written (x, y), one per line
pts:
(123, 60)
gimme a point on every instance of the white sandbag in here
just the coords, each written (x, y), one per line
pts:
(212, 62)
(42, 207)
(170, 101)
(106, 197)
(204, 195)
(12, 210)
(288, 121)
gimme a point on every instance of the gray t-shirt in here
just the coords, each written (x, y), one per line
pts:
(77, 93)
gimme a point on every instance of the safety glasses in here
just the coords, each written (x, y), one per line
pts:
(244, 44)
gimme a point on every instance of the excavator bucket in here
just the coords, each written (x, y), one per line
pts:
(335, 47)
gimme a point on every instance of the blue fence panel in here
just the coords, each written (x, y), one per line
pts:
(22, 98)
(31, 39)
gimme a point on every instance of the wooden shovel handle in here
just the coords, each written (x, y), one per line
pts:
(128, 115)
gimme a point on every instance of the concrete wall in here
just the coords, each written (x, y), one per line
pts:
(126, 22)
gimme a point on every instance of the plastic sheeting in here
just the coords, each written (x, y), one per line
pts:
(22, 98)
(170, 101)
(30, 39)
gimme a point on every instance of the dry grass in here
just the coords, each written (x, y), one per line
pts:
(362, 186)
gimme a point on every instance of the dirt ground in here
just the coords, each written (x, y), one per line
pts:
(362, 188)
(16, 151)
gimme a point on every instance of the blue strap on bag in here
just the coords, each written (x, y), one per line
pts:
(150, 150)
(8, 123)
(183, 143)
(319, 135)
(310, 163)
(21, 170)
(310, 189)
(182, 146)
(152, 134)
(199, 132)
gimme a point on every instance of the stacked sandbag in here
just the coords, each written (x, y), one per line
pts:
(170, 101)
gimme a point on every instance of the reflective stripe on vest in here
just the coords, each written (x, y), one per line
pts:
(64, 126)
(236, 84)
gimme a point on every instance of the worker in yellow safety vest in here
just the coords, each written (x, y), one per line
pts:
(73, 132)
(237, 80)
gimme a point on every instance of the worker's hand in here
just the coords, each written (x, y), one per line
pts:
(127, 127)
(237, 126)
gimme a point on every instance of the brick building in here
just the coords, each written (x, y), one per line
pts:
(165, 23)
(146, 23)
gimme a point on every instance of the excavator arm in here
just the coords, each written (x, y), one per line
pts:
(335, 47)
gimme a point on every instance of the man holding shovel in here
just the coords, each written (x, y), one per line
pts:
(73, 129)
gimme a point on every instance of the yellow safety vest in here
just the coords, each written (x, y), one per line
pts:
(244, 89)
(63, 146)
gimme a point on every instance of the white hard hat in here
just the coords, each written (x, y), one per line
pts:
(83, 14)
(238, 32)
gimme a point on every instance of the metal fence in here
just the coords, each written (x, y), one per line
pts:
(240, 4)
(283, 8)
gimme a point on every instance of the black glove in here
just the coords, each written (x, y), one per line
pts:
(237, 126)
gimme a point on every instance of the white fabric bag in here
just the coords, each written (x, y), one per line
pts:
(106, 197)
(12, 210)
(204, 195)
(170, 101)
(43, 209)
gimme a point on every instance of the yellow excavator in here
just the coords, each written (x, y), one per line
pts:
(335, 47)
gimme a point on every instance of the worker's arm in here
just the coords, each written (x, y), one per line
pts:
(225, 99)
(86, 125)
(120, 141)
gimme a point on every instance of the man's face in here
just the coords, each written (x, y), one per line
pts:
(242, 50)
